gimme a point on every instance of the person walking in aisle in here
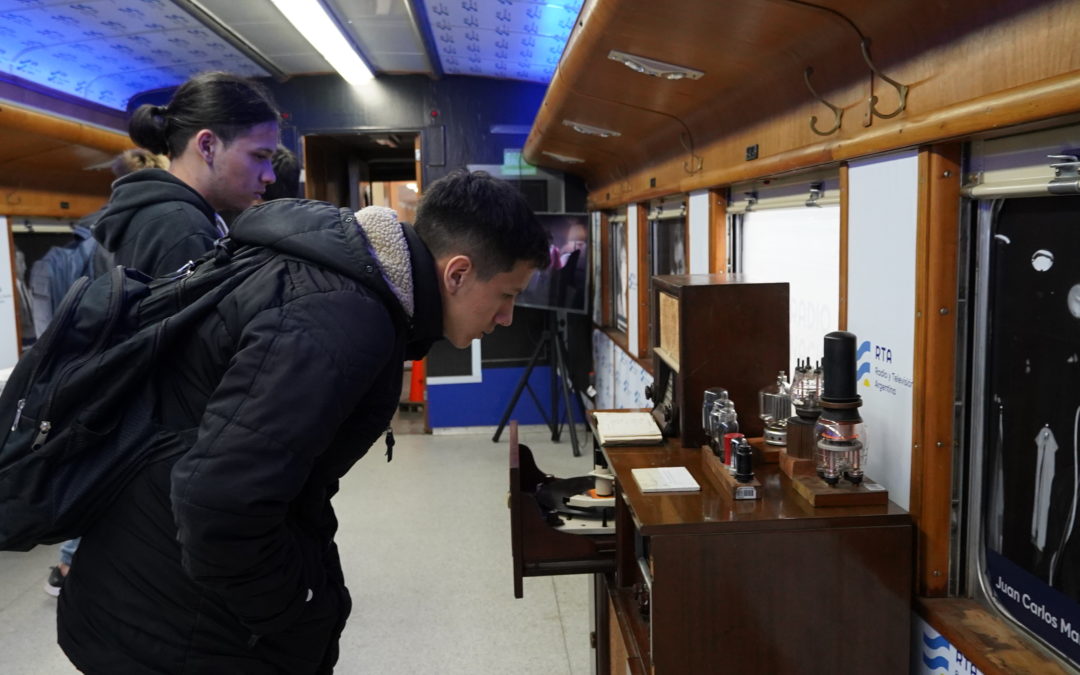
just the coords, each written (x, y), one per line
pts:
(219, 132)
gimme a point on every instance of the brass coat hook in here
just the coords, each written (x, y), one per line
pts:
(695, 163)
(901, 89)
(864, 44)
(837, 111)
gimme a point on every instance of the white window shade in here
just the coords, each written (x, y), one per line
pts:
(1019, 165)
(802, 247)
(806, 191)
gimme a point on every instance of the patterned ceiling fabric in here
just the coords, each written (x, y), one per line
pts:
(106, 51)
(512, 39)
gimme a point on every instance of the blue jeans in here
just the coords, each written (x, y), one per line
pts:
(67, 550)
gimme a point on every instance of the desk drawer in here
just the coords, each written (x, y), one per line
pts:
(540, 549)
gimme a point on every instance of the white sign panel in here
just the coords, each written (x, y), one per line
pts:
(883, 198)
(934, 655)
(698, 213)
(802, 247)
(9, 334)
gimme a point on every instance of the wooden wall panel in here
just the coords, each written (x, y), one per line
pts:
(935, 353)
(606, 270)
(717, 231)
(644, 273)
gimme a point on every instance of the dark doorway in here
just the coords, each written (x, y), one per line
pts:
(357, 169)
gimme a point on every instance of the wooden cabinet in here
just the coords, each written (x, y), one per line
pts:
(716, 330)
(706, 584)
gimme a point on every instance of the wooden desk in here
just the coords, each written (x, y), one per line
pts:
(772, 585)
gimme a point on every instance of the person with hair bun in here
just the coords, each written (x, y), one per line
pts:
(219, 133)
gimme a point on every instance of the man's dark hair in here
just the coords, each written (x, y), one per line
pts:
(287, 175)
(224, 103)
(484, 218)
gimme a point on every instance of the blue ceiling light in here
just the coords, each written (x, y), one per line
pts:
(511, 39)
(106, 51)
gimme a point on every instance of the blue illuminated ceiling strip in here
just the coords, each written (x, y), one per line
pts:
(106, 51)
(513, 39)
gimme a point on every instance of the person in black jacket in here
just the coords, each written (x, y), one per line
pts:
(219, 132)
(222, 560)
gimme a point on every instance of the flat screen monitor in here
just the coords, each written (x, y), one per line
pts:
(564, 285)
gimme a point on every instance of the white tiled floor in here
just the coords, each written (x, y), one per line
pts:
(425, 541)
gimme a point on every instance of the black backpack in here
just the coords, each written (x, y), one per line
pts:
(77, 413)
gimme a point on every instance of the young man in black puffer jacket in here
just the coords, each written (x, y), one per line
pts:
(222, 560)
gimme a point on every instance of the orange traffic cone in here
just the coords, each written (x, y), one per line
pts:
(416, 383)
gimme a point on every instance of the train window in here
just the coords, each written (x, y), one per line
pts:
(1022, 387)
(791, 232)
(620, 270)
(667, 236)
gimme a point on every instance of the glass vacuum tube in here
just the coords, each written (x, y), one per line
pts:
(775, 406)
(842, 446)
(842, 443)
(709, 399)
(806, 390)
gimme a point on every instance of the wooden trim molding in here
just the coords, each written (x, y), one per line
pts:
(19, 328)
(937, 248)
(644, 280)
(717, 231)
(607, 317)
(991, 644)
(1047, 99)
(64, 130)
(31, 202)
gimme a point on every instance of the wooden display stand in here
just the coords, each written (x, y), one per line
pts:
(763, 452)
(796, 466)
(725, 480)
(819, 493)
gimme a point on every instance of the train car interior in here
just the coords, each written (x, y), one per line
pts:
(828, 249)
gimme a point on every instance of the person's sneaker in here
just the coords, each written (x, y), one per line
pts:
(55, 582)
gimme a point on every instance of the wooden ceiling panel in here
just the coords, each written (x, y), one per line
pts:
(47, 160)
(754, 54)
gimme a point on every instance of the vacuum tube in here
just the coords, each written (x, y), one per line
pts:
(775, 406)
(805, 398)
(842, 441)
(711, 397)
(805, 390)
(725, 422)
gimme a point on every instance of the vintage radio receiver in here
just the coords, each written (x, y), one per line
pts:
(714, 330)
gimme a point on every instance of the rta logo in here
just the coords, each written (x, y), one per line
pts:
(883, 354)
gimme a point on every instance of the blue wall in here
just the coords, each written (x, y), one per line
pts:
(482, 404)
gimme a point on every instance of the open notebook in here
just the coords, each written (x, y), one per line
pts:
(627, 428)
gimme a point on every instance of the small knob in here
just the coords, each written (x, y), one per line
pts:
(649, 392)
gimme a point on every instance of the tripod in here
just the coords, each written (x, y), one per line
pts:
(555, 346)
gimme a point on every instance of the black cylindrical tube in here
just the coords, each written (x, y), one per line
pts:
(744, 472)
(839, 368)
